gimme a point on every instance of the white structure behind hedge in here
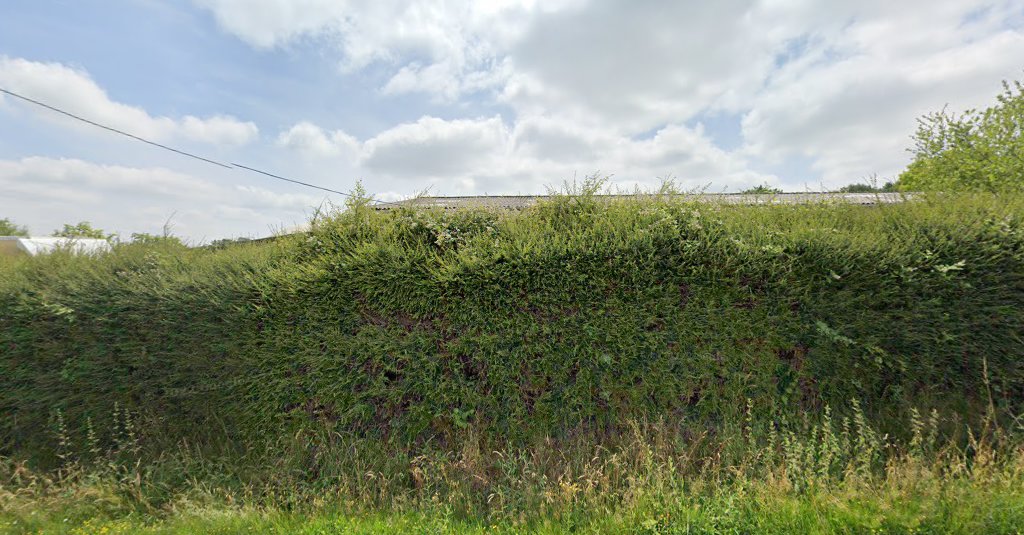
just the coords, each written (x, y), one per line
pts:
(16, 245)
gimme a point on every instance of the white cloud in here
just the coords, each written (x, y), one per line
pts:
(837, 84)
(441, 48)
(555, 140)
(851, 105)
(433, 147)
(265, 24)
(687, 153)
(44, 193)
(75, 91)
(480, 155)
(310, 139)
(640, 65)
(445, 80)
(40, 177)
(217, 130)
(262, 198)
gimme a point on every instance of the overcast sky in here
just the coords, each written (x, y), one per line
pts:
(466, 97)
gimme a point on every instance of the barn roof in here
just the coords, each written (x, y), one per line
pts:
(514, 202)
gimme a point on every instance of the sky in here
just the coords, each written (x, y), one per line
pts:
(463, 97)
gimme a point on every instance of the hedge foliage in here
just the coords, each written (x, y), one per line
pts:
(569, 317)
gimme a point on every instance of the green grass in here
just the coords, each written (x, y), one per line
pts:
(910, 498)
(960, 513)
(829, 477)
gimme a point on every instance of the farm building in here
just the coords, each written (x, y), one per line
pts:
(518, 202)
(18, 245)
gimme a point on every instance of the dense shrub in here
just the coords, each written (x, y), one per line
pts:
(410, 327)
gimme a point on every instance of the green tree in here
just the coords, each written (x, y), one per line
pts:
(973, 151)
(871, 187)
(227, 242)
(762, 189)
(154, 240)
(10, 228)
(83, 229)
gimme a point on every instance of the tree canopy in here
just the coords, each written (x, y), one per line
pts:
(152, 240)
(978, 150)
(83, 229)
(10, 228)
(868, 188)
(762, 189)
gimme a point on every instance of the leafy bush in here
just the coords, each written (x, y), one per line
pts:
(411, 328)
(973, 151)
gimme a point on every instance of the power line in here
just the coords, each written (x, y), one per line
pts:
(115, 130)
(272, 175)
(177, 151)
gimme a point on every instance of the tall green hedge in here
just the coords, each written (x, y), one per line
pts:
(570, 317)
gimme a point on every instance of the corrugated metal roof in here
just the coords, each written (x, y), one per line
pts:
(515, 202)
